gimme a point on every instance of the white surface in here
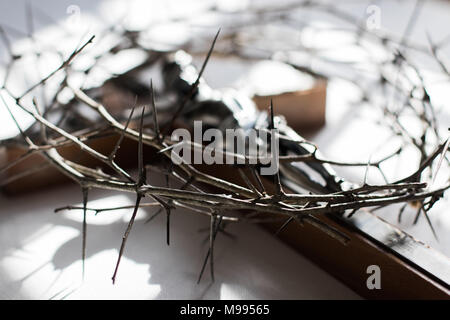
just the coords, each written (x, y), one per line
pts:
(40, 256)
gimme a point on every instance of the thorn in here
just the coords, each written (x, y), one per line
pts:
(258, 180)
(155, 115)
(193, 87)
(279, 190)
(141, 168)
(284, 225)
(167, 178)
(205, 261)
(352, 213)
(272, 123)
(168, 209)
(188, 182)
(211, 245)
(416, 219)
(125, 236)
(249, 183)
(441, 158)
(171, 147)
(430, 224)
(168, 227)
(400, 213)
(83, 246)
(122, 134)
